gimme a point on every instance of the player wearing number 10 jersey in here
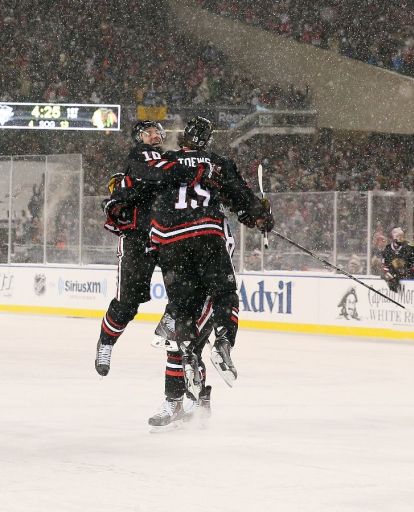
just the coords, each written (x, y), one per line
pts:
(128, 215)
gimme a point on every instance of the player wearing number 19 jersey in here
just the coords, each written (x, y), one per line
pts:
(188, 227)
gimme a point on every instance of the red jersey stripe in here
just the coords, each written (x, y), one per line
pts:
(185, 224)
(172, 373)
(171, 240)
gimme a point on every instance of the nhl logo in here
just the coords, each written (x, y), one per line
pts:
(6, 113)
(39, 284)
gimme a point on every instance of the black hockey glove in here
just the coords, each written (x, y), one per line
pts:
(208, 176)
(259, 215)
(265, 221)
(245, 218)
(393, 282)
(117, 212)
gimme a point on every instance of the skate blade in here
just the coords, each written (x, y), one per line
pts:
(164, 344)
(174, 425)
(229, 375)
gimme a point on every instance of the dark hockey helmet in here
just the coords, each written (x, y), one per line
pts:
(197, 133)
(141, 126)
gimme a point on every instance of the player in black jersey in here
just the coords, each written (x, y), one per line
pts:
(128, 215)
(397, 260)
(191, 232)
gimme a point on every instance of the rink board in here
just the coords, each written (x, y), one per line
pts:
(283, 301)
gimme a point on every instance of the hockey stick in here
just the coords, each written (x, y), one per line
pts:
(260, 180)
(347, 274)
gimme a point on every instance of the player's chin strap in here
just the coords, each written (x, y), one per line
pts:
(325, 262)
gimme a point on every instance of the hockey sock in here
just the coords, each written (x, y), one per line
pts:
(110, 330)
(226, 315)
(174, 376)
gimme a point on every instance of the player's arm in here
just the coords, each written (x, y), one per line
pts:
(126, 189)
(120, 206)
(251, 211)
(410, 261)
(388, 273)
(168, 171)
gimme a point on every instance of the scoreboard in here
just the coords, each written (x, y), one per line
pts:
(59, 116)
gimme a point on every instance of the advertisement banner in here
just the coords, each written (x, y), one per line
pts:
(278, 298)
(222, 118)
(81, 288)
(313, 303)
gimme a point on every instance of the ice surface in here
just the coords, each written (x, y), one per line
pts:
(312, 424)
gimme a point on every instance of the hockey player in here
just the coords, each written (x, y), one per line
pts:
(397, 260)
(128, 214)
(192, 234)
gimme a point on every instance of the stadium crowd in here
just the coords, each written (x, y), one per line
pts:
(329, 162)
(378, 33)
(101, 58)
(128, 54)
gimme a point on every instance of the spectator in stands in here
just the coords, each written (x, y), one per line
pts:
(397, 260)
(354, 265)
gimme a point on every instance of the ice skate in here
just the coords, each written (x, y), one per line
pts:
(103, 358)
(169, 417)
(192, 375)
(204, 401)
(164, 336)
(198, 410)
(220, 357)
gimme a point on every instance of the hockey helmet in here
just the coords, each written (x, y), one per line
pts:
(142, 126)
(197, 133)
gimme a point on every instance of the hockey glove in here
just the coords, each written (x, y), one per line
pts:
(394, 285)
(245, 218)
(208, 176)
(265, 221)
(117, 212)
(259, 215)
(393, 282)
(115, 181)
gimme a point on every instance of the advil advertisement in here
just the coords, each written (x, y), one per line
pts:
(277, 298)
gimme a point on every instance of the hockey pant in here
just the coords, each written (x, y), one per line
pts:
(200, 267)
(135, 269)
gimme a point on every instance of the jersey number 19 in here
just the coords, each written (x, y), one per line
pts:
(203, 197)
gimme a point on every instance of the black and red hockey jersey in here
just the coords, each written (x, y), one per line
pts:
(398, 260)
(187, 210)
(147, 171)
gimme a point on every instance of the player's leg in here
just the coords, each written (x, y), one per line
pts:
(220, 281)
(183, 292)
(225, 326)
(165, 337)
(172, 408)
(164, 334)
(135, 269)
